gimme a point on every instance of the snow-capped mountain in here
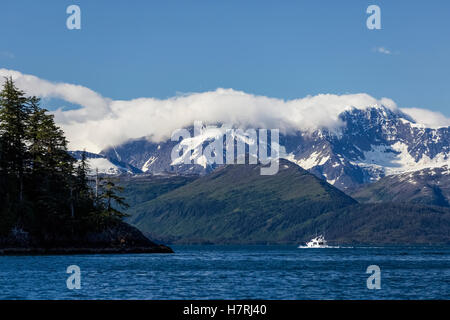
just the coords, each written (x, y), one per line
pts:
(104, 165)
(372, 143)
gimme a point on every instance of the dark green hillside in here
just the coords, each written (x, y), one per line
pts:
(235, 204)
(138, 189)
(385, 223)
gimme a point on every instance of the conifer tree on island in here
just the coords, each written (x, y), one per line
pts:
(43, 191)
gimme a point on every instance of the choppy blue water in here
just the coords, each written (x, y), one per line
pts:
(234, 272)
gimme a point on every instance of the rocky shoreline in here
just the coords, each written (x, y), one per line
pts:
(119, 239)
(74, 250)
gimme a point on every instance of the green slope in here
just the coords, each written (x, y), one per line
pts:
(386, 223)
(429, 186)
(139, 189)
(235, 204)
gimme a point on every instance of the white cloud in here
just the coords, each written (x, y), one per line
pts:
(101, 122)
(94, 105)
(383, 50)
(430, 119)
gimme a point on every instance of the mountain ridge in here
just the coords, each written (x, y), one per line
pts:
(373, 143)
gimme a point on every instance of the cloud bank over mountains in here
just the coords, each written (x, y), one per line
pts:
(100, 122)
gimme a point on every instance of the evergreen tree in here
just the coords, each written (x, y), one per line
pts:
(82, 174)
(110, 199)
(51, 169)
(14, 113)
(41, 190)
(83, 194)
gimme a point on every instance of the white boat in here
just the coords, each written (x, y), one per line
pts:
(317, 242)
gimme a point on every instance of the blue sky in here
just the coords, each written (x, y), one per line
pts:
(282, 49)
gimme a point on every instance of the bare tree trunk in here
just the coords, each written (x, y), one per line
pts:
(96, 184)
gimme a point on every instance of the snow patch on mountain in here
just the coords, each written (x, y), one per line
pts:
(206, 136)
(395, 159)
(148, 163)
(315, 159)
(104, 166)
(195, 144)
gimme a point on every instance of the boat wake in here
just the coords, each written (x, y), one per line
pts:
(321, 247)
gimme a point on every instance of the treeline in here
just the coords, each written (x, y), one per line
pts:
(44, 191)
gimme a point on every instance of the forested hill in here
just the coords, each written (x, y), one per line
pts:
(45, 195)
(235, 204)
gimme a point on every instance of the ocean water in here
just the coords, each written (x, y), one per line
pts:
(234, 272)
